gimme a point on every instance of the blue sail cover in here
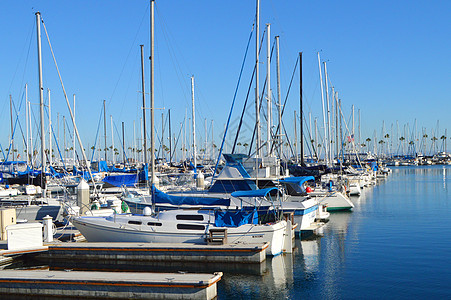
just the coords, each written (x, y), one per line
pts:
(160, 197)
(235, 219)
(121, 180)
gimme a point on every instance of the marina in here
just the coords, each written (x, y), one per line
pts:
(358, 253)
(256, 177)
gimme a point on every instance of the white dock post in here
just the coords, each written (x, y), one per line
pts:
(83, 199)
(48, 229)
(288, 238)
(200, 183)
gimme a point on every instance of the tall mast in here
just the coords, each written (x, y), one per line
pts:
(295, 138)
(141, 157)
(104, 131)
(301, 112)
(170, 136)
(57, 129)
(12, 127)
(73, 137)
(279, 110)
(112, 139)
(41, 100)
(50, 129)
(268, 90)
(331, 126)
(184, 135)
(64, 140)
(134, 141)
(337, 149)
(162, 134)
(341, 129)
(327, 136)
(324, 112)
(31, 131)
(213, 142)
(123, 143)
(316, 137)
(257, 98)
(27, 124)
(193, 122)
(206, 137)
(144, 105)
(353, 124)
(152, 98)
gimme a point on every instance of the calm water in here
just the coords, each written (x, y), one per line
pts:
(395, 244)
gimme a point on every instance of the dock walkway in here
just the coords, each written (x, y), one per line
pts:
(118, 285)
(230, 253)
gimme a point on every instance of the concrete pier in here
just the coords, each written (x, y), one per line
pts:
(229, 253)
(111, 285)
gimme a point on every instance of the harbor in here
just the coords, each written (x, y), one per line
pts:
(358, 253)
(275, 180)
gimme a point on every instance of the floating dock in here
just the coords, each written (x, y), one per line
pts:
(111, 285)
(229, 253)
(314, 230)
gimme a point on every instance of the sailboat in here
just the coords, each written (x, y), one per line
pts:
(180, 226)
(183, 226)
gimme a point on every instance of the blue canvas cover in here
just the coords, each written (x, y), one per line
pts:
(254, 193)
(235, 219)
(299, 180)
(230, 186)
(160, 197)
(296, 183)
(54, 173)
(121, 180)
(103, 167)
(144, 174)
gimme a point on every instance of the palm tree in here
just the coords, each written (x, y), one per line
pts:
(245, 145)
(382, 142)
(443, 138)
(368, 140)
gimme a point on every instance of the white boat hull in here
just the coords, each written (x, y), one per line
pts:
(106, 229)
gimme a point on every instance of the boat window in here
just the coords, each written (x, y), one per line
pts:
(190, 227)
(190, 217)
(135, 222)
(153, 224)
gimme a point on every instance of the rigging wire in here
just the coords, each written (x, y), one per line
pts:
(233, 103)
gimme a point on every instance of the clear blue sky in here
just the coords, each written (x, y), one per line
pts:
(388, 58)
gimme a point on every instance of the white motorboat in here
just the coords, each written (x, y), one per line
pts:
(334, 200)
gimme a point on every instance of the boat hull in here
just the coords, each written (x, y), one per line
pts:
(105, 229)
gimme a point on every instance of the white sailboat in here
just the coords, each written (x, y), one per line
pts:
(180, 226)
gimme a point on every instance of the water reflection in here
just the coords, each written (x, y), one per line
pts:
(275, 283)
(444, 177)
(310, 254)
